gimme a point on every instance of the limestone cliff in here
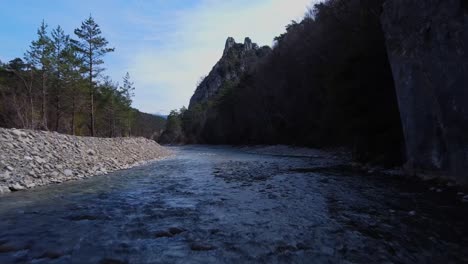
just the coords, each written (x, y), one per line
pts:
(427, 46)
(237, 58)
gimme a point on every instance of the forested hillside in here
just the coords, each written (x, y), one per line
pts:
(327, 83)
(60, 85)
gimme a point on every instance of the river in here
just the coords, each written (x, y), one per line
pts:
(223, 205)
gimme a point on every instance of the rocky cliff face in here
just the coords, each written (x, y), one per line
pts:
(427, 44)
(237, 58)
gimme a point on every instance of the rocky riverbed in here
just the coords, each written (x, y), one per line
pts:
(35, 158)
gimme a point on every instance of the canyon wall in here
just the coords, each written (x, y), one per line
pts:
(427, 46)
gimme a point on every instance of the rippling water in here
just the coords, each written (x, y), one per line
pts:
(220, 205)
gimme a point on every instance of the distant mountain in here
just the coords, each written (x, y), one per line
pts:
(148, 125)
(160, 115)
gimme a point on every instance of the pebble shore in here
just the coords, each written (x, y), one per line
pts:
(36, 158)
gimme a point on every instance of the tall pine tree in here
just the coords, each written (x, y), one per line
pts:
(127, 91)
(92, 46)
(60, 44)
(39, 59)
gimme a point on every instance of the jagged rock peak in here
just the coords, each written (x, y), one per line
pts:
(230, 42)
(248, 45)
(237, 59)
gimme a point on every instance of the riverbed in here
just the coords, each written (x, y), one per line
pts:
(224, 205)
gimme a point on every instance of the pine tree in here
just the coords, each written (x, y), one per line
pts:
(60, 44)
(39, 58)
(73, 83)
(127, 92)
(92, 46)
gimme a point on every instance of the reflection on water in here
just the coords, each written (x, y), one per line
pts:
(212, 205)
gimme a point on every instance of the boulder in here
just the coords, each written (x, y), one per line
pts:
(68, 173)
(16, 187)
(4, 189)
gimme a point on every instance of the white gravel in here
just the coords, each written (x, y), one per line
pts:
(35, 158)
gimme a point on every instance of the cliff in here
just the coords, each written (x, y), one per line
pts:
(237, 58)
(427, 47)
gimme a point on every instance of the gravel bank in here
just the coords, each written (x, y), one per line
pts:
(35, 158)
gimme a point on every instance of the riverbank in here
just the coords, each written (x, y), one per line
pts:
(333, 157)
(342, 159)
(36, 158)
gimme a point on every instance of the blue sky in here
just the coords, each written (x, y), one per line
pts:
(166, 45)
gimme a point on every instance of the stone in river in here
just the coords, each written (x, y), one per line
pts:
(201, 247)
(465, 199)
(4, 189)
(16, 187)
(176, 230)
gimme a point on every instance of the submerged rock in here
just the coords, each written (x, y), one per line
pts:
(465, 199)
(201, 247)
(176, 230)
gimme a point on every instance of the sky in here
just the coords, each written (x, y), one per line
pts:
(165, 45)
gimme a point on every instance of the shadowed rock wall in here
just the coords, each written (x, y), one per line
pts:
(427, 45)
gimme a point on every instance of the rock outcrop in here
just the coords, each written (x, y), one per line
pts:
(427, 43)
(35, 158)
(237, 59)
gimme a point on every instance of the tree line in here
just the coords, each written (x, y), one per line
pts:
(59, 85)
(327, 83)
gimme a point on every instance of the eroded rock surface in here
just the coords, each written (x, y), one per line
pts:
(427, 44)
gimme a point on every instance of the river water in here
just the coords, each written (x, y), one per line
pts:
(223, 205)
